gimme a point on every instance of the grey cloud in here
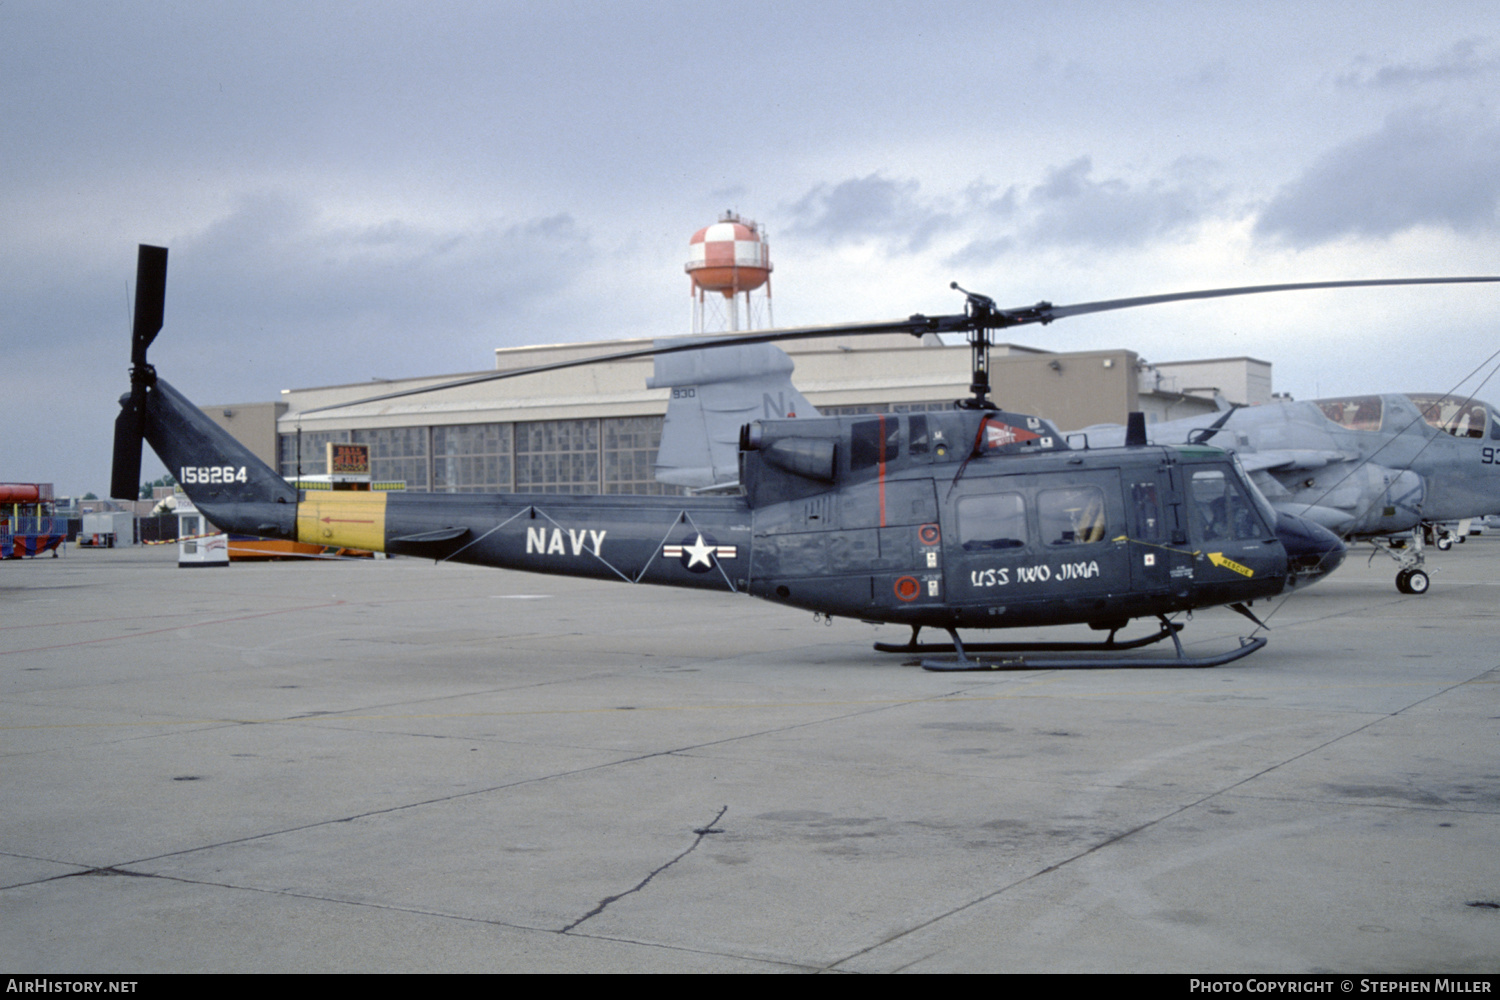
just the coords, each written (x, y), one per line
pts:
(276, 275)
(729, 193)
(386, 265)
(982, 203)
(870, 207)
(1072, 208)
(1418, 169)
(273, 294)
(878, 207)
(1465, 60)
(1208, 75)
(979, 253)
(980, 198)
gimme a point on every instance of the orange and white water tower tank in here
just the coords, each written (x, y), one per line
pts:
(730, 257)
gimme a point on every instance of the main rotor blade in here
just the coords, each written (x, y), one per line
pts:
(916, 325)
(150, 300)
(1046, 313)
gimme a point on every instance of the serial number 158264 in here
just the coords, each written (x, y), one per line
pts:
(211, 474)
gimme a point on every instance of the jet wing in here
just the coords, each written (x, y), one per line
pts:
(1291, 459)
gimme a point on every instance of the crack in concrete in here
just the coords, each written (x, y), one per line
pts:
(104, 871)
(1145, 825)
(701, 832)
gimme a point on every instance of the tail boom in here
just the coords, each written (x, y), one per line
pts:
(688, 542)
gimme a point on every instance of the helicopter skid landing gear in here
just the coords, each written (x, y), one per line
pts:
(1411, 578)
(1108, 645)
(1104, 649)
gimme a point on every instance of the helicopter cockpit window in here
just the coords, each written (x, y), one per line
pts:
(874, 441)
(1358, 413)
(917, 436)
(1463, 418)
(1073, 516)
(1223, 511)
(997, 521)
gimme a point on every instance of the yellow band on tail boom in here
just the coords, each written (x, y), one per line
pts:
(346, 519)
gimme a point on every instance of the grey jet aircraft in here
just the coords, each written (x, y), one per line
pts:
(1388, 469)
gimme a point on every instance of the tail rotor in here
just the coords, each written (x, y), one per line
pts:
(130, 425)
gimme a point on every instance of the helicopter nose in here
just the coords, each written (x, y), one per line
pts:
(1312, 550)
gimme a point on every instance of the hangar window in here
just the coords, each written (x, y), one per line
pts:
(557, 456)
(630, 446)
(471, 458)
(314, 459)
(397, 454)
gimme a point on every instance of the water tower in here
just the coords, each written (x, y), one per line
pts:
(731, 258)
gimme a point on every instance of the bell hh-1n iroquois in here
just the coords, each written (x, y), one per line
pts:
(972, 518)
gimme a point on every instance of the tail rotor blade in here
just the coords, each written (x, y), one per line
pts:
(130, 425)
(125, 481)
(150, 300)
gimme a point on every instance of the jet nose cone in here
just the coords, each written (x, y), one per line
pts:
(1312, 550)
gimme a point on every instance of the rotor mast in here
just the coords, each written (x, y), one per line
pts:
(979, 318)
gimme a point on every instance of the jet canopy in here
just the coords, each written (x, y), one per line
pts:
(1456, 415)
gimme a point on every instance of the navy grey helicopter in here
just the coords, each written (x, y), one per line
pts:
(1391, 469)
(963, 519)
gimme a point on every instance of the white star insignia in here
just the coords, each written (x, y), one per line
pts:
(699, 552)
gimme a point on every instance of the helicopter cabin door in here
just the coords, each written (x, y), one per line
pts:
(1031, 549)
(1161, 562)
(888, 534)
(1234, 542)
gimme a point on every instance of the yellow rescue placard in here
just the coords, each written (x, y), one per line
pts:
(1219, 559)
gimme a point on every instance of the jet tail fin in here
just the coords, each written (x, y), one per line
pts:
(714, 393)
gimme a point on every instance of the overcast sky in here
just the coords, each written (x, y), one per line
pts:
(372, 190)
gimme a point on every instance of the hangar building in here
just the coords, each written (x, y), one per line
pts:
(595, 429)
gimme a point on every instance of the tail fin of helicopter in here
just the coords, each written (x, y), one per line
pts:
(226, 481)
(234, 489)
(208, 462)
(715, 393)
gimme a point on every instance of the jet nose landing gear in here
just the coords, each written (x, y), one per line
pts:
(1411, 578)
(1412, 581)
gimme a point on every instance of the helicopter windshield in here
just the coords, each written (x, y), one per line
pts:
(1465, 418)
(1223, 511)
(1256, 496)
